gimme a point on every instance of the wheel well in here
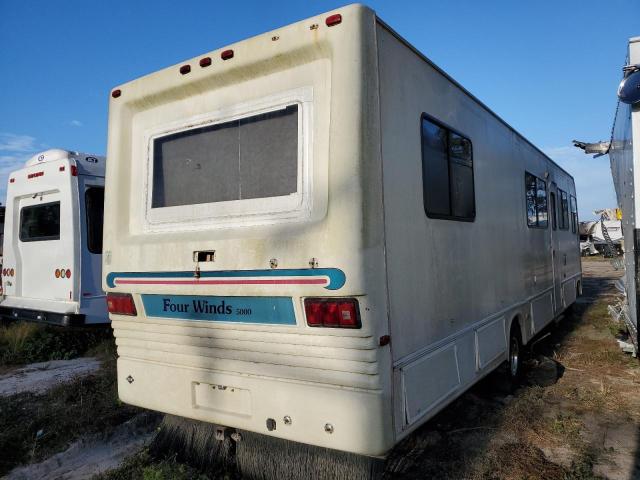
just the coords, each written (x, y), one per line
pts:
(516, 322)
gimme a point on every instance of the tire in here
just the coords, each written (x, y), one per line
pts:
(514, 360)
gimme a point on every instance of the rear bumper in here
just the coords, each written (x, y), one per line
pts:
(352, 420)
(53, 318)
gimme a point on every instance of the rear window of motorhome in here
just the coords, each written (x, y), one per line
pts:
(40, 222)
(248, 158)
(536, 197)
(94, 204)
(447, 173)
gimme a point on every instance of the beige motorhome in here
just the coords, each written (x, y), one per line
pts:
(316, 234)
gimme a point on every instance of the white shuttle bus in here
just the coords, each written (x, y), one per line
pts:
(53, 240)
(317, 235)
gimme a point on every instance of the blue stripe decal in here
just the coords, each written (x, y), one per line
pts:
(336, 277)
(260, 310)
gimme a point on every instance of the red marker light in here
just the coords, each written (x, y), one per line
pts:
(226, 55)
(333, 20)
(205, 62)
(184, 69)
(61, 168)
(74, 171)
(12, 180)
(68, 272)
(116, 93)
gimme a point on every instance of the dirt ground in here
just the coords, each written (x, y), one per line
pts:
(576, 416)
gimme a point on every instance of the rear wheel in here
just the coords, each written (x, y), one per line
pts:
(514, 361)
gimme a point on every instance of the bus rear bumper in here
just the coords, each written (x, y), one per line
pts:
(52, 318)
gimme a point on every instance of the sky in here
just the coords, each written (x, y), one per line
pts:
(549, 68)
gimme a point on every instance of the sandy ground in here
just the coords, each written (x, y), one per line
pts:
(91, 455)
(40, 377)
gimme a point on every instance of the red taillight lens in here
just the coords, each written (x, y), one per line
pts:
(68, 273)
(332, 313)
(121, 304)
(74, 171)
(333, 20)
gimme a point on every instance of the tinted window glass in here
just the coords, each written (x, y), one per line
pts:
(564, 210)
(447, 173)
(554, 214)
(536, 201)
(40, 222)
(254, 157)
(94, 203)
(574, 215)
(435, 169)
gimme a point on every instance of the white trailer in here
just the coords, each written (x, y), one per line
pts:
(53, 240)
(318, 235)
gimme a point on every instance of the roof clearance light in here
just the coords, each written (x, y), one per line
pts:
(333, 20)
(74, 171)
(35, 175)
(12, 180)
(205, 62)
(116, 93)
(184, 69)
(226, 55)
(121, 304)
(61, 168)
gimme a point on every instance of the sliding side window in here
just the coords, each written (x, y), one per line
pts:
(447, 173)
(536, 196)
(564, 210)
(574, 214)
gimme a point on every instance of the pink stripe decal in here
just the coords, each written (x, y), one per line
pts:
(302, 281)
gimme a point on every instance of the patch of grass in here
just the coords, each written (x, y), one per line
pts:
(143, 466)
(568, 427)
(33, 427)
(25, 342)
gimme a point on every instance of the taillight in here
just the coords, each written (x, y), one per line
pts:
(121, 304)
(58, 273)
(68, 272)
(332, 312)
(74, 171)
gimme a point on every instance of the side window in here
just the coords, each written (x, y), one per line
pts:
(94, 203)
(536, 198)
(554, 212)
(574, 215)
(564, 210)
(447, 173)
